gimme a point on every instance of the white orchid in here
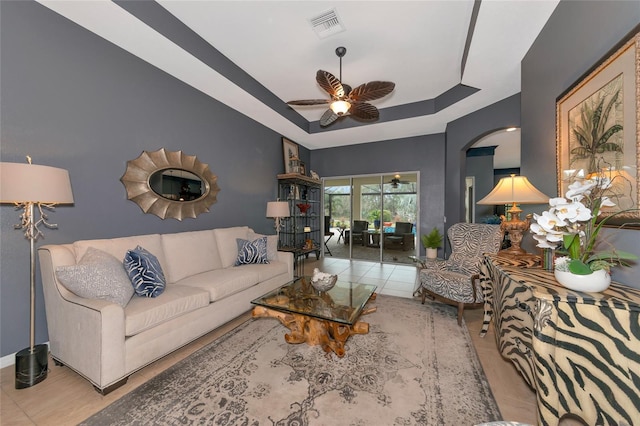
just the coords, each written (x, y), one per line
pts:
(580, 188)
(573, 212)
(571, 223)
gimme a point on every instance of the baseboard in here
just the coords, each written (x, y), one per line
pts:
(9, 360)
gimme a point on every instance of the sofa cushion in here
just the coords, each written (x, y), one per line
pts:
(144, 272)
(221, 283)
(266, 272)
(226, 240)
(98, 275)
(272, 244)
(190, 253)
(118, 247)
(143, 313)
(251, 251)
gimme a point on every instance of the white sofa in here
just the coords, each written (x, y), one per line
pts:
(106, 343)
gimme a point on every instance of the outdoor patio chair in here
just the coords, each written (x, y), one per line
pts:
(402, 237)
(359, 226)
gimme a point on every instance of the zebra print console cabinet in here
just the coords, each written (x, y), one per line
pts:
(579, 351)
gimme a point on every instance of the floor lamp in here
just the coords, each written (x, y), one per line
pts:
(514, 190)
(28, 186)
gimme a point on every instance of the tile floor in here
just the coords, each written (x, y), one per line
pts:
(392, 280)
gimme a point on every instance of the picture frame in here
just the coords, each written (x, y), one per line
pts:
(289, 149)
(604, 105)
(303, 169)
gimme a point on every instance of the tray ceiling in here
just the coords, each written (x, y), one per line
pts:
(255, 55)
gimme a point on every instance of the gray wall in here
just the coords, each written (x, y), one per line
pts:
(461, 134)
(481, 168)
(422, 153)
(576, 37)
(73, 100)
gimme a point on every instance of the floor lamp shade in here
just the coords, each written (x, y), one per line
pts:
(31, 183)
(27, 185)
(514, 190)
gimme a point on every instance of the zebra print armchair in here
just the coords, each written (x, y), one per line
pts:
(455, 279)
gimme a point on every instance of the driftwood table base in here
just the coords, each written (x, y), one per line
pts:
(330, 335)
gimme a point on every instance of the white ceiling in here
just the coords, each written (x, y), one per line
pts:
(419, 45)
(507, 143)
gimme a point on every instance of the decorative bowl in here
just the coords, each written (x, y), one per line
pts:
(325, 284)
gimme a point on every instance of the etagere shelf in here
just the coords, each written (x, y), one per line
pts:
(299, 190)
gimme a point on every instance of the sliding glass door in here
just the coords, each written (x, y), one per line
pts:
(372, 217)
(400, 201)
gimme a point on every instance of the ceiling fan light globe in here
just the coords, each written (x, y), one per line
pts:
(340, 107)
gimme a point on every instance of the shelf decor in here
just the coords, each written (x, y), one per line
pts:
(304, 208)
(290, 151)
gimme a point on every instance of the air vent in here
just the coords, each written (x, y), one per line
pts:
(327, 23)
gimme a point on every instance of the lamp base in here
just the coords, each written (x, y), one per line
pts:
(31, 367)
(512, 252)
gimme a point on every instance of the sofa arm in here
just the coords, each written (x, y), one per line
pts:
(87, 335)
(287, 257)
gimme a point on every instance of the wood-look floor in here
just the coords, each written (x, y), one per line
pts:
(65, 398)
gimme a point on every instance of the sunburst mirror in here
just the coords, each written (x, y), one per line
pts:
(170, 184)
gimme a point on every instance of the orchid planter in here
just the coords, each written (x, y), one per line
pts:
(595, 282)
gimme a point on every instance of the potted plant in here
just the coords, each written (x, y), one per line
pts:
(377, 217)
(431, 242)
(571, 226)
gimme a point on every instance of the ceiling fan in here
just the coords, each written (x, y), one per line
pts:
(344, 100)
(396, 181)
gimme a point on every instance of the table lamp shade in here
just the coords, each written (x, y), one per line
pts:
(277, 209)
(514, 189)
(30, 183)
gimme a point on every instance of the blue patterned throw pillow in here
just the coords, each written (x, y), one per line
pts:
(144, 272)
(252, 251)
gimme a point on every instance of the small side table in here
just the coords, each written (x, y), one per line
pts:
(341, 235)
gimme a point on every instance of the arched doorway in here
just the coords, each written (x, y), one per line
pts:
(489, 159)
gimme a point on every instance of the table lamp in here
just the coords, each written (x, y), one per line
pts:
(277, 210)
(27, 186)
(514, 190)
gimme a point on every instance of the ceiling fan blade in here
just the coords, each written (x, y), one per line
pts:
(330, 84)
(364, 111)
(371, 91)
(310, 102)
(328, 117)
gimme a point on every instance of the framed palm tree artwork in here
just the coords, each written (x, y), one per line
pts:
(598, 130)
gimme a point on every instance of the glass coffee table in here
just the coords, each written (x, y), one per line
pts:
(318, 318)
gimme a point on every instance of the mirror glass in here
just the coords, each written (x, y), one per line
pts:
(177, 185)
(170, 184)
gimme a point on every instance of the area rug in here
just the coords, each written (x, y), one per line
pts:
(415, 367)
